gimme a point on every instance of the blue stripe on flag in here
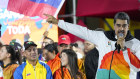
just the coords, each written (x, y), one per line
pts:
(54, 3)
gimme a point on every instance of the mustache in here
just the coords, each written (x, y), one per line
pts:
(121, 31)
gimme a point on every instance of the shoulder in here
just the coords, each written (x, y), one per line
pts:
(50, 61)
(93, 53)
(44, 64)
(135, 40)
(13, 66)
(56, 60)
(59, 71)
(19, 70)
(10, 68)
(133, 43)
(20, 67)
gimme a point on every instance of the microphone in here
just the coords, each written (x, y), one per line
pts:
(118, 47)
(121, 34)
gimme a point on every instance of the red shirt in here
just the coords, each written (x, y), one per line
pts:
(55, 63)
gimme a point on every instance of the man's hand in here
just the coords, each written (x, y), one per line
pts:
(51, 19)
(45, 34)
(121, 42)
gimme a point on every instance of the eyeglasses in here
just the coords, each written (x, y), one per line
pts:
(123, 25)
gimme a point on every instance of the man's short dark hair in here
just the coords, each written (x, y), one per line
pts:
(122, 16)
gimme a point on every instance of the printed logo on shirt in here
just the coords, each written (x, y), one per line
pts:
(109, 43)
(28, 74)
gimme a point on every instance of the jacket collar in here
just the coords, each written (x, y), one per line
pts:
(27, 62)
(57, 57)
(8, 64)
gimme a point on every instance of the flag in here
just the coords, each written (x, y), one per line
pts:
(35, 7)
(17, 26)
(1, 73)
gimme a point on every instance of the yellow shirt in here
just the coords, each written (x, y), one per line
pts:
(27, 71)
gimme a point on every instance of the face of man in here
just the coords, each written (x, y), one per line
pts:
(88, 46)
(62, 47)
(121, 26)
(31, 54)
(48, 55)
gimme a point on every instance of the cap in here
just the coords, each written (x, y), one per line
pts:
(16, 44)
(27, 44)
(64, 39)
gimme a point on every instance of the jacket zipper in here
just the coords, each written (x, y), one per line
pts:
(35, 73)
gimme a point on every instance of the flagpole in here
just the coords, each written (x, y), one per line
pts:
(74, 11)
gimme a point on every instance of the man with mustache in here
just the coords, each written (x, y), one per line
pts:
(126, 60)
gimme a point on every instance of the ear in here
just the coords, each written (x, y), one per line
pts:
(53, 52)
(8, 55)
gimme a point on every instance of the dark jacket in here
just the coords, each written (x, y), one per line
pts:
(91, 63)
(138, 75)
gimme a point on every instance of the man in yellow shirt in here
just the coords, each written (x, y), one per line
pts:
(32, 68)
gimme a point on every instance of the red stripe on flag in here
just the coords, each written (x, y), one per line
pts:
(30, 8)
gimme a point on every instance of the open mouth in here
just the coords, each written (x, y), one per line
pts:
(34, 55)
